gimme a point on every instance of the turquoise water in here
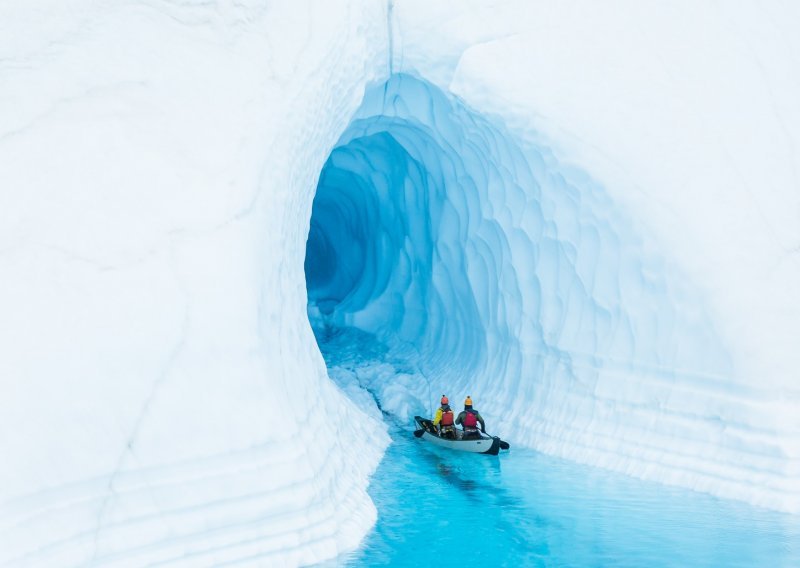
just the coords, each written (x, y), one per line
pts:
(523, 508)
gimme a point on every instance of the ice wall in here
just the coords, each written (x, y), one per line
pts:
(595, 264)
(685, 114)
(162, 399)
(519, 280)
(614, 230)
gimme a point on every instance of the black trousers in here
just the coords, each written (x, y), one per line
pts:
(448, 432)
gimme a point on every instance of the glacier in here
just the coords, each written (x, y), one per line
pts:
(587, 218)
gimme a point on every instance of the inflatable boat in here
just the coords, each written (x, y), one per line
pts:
(484, 445)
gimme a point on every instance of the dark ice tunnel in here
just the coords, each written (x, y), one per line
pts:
(401, 242)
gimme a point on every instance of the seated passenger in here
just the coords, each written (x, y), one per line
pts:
(469, 419)
(444, 420)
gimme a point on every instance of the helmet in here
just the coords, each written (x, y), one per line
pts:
(468, 402)
(444, 400)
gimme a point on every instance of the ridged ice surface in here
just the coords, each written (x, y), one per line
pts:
(518, 279)
(585, 218)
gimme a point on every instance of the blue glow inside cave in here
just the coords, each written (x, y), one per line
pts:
(506, 272)
(399, 242)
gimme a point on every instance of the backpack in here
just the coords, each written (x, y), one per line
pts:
(447, 418)
(470, 420)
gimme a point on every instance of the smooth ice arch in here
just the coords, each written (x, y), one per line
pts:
(517, 279)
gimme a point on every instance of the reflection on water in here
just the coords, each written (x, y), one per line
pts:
(526, 509)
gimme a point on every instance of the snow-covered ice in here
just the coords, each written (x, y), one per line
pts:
(586, 216)
(162, 394)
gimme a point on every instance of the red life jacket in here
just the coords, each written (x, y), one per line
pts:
(447, 418)
(470, 420)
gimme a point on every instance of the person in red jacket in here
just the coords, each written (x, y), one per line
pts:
(469, 419)
(443, 420)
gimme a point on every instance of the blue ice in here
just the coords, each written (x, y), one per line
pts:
(478, 262)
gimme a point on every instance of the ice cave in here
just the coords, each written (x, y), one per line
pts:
(243, 244)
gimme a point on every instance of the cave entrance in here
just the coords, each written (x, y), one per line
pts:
(402, 243)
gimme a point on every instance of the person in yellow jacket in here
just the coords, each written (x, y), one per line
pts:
(444, 420)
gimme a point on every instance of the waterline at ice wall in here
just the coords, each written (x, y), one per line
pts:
(616, 267)
(517, 279)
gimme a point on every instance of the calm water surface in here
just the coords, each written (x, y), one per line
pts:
(523, 508)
